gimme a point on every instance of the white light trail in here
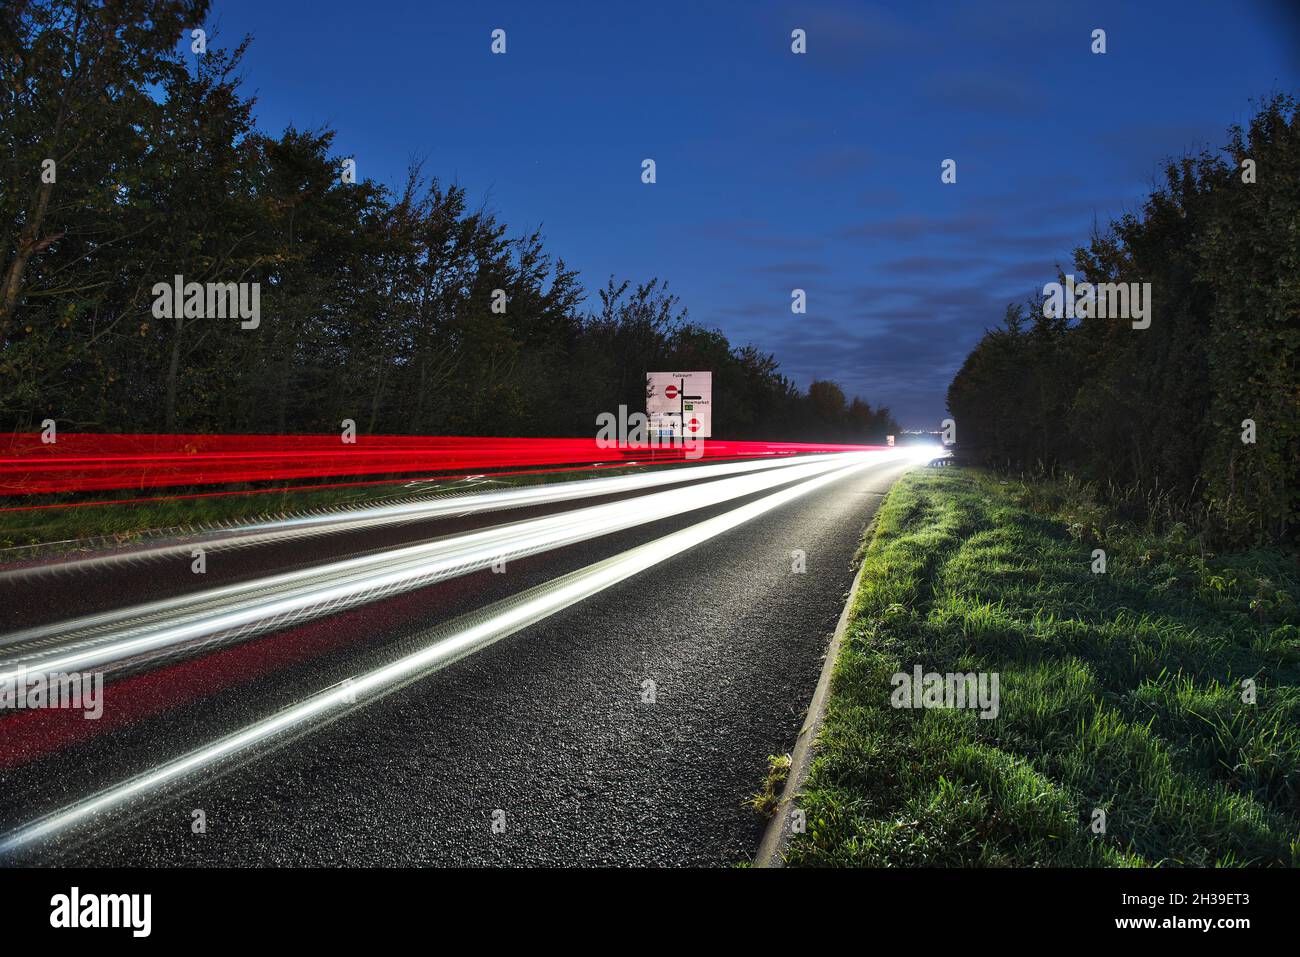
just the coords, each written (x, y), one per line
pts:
(454, 505)
(335, 520)
(448, 644)
(246, 609)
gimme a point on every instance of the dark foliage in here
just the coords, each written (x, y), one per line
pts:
(1162, 409)
(376, 305)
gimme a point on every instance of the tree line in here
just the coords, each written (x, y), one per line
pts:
(1202, 405)
(129, 161)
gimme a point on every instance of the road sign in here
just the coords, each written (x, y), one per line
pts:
(680, 403)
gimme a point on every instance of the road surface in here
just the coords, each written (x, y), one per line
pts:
(626, 727)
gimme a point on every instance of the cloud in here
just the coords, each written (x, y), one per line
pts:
(847, 38)
(840, 161)
(985, 91)
(931, 265)
(895, 344)
(792, 269)
(754, 233)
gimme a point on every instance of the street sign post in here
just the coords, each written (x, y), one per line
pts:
(680, 404)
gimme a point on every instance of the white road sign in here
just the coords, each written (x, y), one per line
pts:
(680, 403)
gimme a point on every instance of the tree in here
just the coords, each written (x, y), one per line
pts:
(1164, 408)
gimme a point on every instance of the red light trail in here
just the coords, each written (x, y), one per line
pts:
(82, 462)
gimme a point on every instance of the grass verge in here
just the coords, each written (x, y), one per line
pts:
(1120, 692)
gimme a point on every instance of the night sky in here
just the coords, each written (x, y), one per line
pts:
(776, 170)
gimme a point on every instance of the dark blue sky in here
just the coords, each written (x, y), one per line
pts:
(778, 171)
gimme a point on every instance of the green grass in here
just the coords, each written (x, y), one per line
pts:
(769, 795)
(1118, 691)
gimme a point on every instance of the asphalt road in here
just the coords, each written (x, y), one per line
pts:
(540, 749)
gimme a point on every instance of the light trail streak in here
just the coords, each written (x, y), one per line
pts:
(446, 645)
(80, 462)
(424, 478)
(375, 516)
(240, 611)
